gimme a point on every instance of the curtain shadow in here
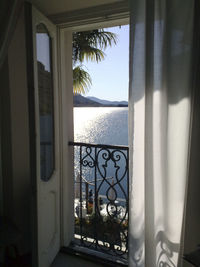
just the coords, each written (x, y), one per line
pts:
(136, 241)
(136, 245)
(167, 250)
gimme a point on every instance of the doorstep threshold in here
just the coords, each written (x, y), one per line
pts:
(93, 256)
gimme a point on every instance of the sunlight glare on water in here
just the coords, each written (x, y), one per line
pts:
(101, 125)
(105, 125)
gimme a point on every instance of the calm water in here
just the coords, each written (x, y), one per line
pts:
(102, 126)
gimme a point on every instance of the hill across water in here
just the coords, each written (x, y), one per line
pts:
(90, 101)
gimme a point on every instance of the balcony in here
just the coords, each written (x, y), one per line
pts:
(101, 184)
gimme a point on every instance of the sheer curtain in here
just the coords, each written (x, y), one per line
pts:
(9, 10)
(159, 120)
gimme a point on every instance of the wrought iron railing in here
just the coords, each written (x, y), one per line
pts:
(101, 197)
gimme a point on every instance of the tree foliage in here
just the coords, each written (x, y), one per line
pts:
(81, 80)
(88, 45)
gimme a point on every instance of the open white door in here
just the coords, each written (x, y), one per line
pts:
(47, 138)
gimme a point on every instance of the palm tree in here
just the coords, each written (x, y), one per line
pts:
(88, 45)
(81, 80)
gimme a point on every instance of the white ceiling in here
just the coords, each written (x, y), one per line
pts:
(50, 7)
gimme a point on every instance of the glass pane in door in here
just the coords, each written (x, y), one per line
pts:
(46, 107)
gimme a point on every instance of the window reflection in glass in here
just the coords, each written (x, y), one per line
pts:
(46, 108)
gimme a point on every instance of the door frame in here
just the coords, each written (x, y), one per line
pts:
(67, 131)
(65, 98)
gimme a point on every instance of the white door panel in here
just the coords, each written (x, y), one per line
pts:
(47, 138)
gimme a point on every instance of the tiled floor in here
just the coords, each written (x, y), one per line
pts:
(64, 260)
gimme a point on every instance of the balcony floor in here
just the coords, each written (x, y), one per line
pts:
(63, 260)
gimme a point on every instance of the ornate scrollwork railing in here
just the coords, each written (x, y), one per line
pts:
(101, 197)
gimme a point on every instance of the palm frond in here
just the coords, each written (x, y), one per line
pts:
(91, 42)
(91, 53)
(103, 39)
(81, 80)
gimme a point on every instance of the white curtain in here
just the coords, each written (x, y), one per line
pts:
(161, 33)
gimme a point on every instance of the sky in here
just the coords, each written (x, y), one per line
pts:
(110, 76)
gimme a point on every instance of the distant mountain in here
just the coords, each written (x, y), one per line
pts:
(81, 101)
(107, 102)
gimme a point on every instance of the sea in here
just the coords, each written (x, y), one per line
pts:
(102, 125)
